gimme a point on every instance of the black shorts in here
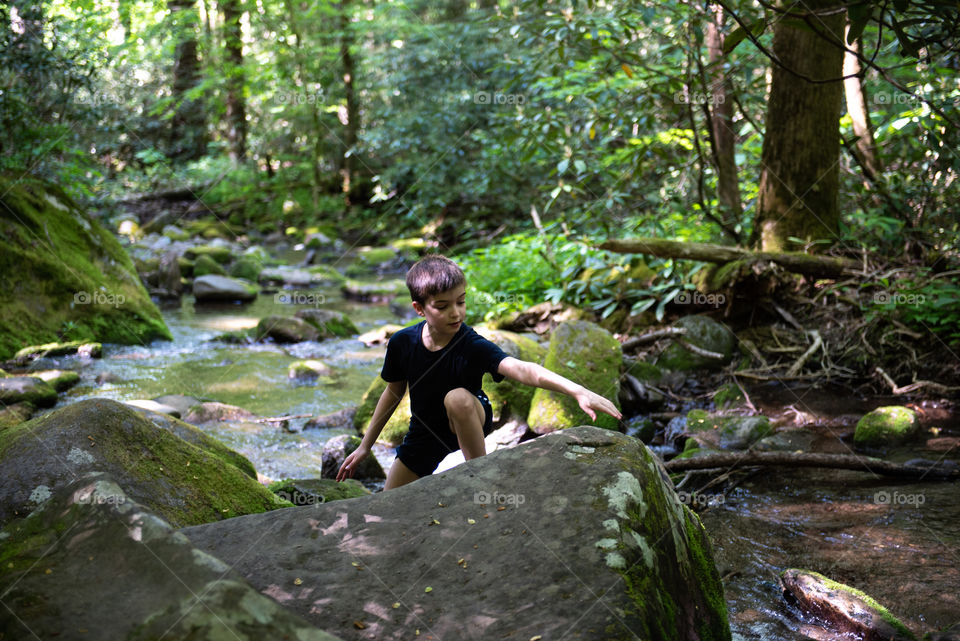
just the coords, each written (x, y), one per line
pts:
(422, 450)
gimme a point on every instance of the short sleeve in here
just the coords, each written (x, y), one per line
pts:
(488, 355)
(394, 363)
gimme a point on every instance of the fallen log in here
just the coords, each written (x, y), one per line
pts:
(796, 262)
(924, 472)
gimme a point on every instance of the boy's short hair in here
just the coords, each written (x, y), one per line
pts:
(431, 275)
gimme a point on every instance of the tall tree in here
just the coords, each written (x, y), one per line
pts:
(235, 79)
(188, 134)
(723, 138)
(800, 172)
(351, 127)
(864, 147)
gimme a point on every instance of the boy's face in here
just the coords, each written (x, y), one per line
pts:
(445, 311)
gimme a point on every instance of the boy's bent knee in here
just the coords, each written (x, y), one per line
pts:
(459, 400)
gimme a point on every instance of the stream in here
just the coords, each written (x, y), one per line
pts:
(898, 542)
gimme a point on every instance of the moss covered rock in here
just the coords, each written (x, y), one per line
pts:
(205, 265)
(247, 268)
(221, 289)
(398, 425)
(91, 547)
(731, 432)
(848, 609)
(884, 426)
(337, 449)
(704, 332)
(374, 291)
(314, 491)
(329, 324)
(13, 415)
(308, 369)
(60, 269)
(149, 455)
(83, 349)
(219, 253)
(586, 354)
(616, 528)
(510, 397)
(60, 380)
(286, 329)
(27, 389)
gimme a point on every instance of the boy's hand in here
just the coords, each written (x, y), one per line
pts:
(351, 463)
(592, 403)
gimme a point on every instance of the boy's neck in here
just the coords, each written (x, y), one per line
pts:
(434, 340)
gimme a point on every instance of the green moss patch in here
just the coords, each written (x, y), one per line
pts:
(66, 276)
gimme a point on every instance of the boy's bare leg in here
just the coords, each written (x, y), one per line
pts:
(466, 416)
(398, 475)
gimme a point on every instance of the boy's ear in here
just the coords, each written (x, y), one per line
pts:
(418, 308)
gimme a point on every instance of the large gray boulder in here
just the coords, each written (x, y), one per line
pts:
(577, 534)
(221, 289)
(172, 468)
(70, 565)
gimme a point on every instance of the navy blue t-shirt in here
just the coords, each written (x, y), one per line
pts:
(430, 375)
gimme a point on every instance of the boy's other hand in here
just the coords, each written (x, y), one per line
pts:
(350, 464)
(592, 403)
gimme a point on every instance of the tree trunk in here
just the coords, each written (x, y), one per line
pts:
(801, 148)
(352, 125)
(723, 136)
(236, 79)
(864, 146)
(188, 135)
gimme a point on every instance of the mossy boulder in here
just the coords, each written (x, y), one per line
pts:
(315, 491)
(286, 329)
(170, 467)
(704, 332)
(205, 265)
(851, 611)
(61, 380)
(374, 291)
(27, 389)
(329, 324)
(247, 268)
(91, 547)
(399, 423)
(308, 369)
(222, 289)
(616, 530)
(337, 449)
(510, 397)
(891, 425)
(586, 354)
(219, 253)
(731, 432)
(61, 268)
(80, 348)
(13, 415)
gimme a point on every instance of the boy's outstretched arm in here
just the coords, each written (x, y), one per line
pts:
(385, 407)
(539, 376)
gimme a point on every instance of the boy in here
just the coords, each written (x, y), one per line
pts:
(443, 360)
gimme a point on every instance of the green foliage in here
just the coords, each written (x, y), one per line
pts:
(924, 301)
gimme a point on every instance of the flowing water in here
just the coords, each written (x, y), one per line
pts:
(897, 541)
(253, 377)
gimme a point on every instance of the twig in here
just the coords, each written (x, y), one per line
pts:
(699, 351)
(651, 337)
(896, 390)
(817, 344)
